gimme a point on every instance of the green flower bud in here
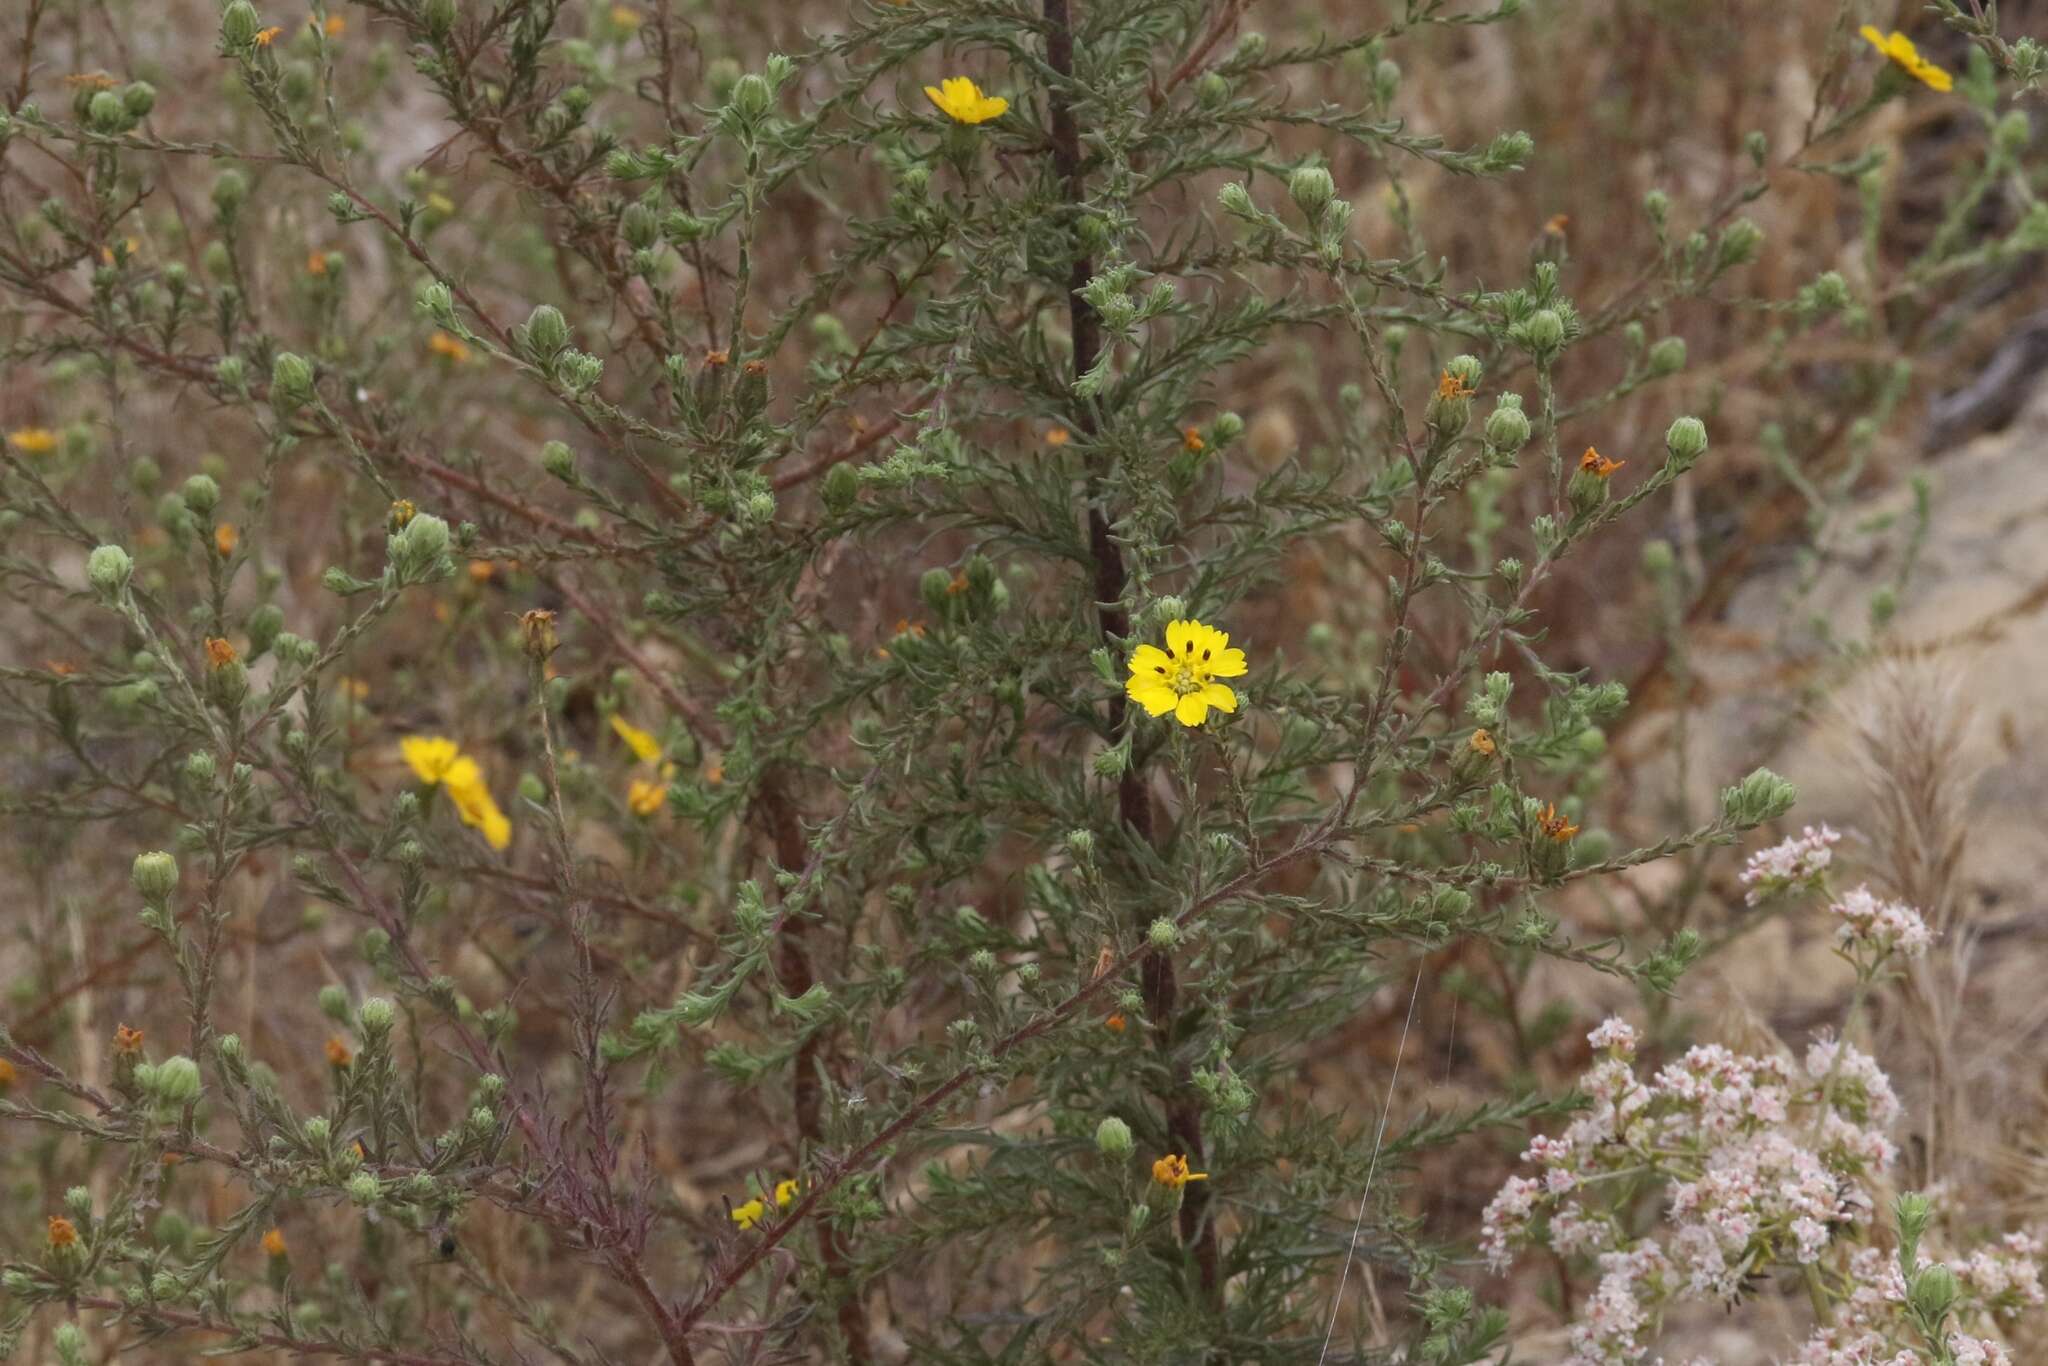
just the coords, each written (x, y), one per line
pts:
(981, 962)
(1658, 558)
(1739, 243)
(291, 382)
(317, 1131)
(419, 550)
(201, 494)
(1162, 933)
(364, 1188)
(1543, 332)
(1312, 189)
(1507, 426)
(546, 332)
(556, 459)
(239, 25)
(1667, 357)
(230, 1047)
(751, 98)
(138, 98)
(199, 769)
(1657, 205)
(1686, 441)
(842, 488)
(108, 570)
(177, 1081)
(106, 113)
(375, 1015)
(1386, 81)
(296, 650)
(1212, 89)
(155, 875)
(637, 225)
(2013, 133)
(1933, 1293)
(230, 187)
(263, 627)
(1081, 843)
(1113, 1138)
(936, 588)
(440, 16)
(334, 1003)
(1762, 796)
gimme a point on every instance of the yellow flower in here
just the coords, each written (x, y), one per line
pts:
(441, 204)
(749, 1214)
(644, 798)
(451, 349)
(1554, 824)
(219, 653)
(1192, 439)
(961, 100)
(644, 746)
(1598, 465)
(337, 1052)
(1172, 1172)
(273, 1243)
(264, 38)
(335, 25)
(6, 1076)
(1481, 742)
(1907, 58)
(1181, 678)
(473, 802)
(437, 759)
(786, 1191)
(224, 538)
(33, 440)
(625, 16)
(62, 1232)
(431, 756)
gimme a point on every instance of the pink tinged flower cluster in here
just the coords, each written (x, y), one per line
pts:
(1874, 928)
(1797, 864)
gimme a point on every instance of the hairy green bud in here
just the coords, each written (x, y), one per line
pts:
(108, 570)
(1686, 441)
(1312, 189)
(176, 1081)
(1667, 357)
(155, 875)
(239, 25)
(1113, 1138)
(1507, 427)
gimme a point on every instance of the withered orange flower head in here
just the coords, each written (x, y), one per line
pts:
(264, 38)
(1557, 224)
(273, 1243)
(1555, 825)
(219, 653)
(1450, 386)
(225, 538)
(1056, 436)
(63, 1233)
(127, 1040)
(1598, 465)
(6, 1076)
(1481, 742)
(337, 1052)
(717, 358)
(1192, 439)
(1115, 1023)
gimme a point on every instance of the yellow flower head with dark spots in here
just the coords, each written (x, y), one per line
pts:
(1899, 48)
(1182, 678)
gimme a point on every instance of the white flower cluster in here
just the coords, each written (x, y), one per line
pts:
(1764, 1163)
(1871, 927)
(1797, 863)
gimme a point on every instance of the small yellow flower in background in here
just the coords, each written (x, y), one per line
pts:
(714, 769)
(450, 349)
(480, 571)
(441, 204)
(219, 653)
(625, 16)
(1907, 58)
(337, 1052)
(644, 746)
(401, 513)
(1598, 465)
(264, 38)
(1181, 678)
(1172, 1172)
(1450, 386)
(749, 1214)
(1555, 825)
(316, 263)
(273, 1243)
(6, 1076)
(786, 1191)
(93, 80)
(126, 1040)
(334, 27)
(1057, 436)
(1481, 742)
(961, 100)
(1115, 1023)
(644, 798)
(33, 440)
(63, 1233)
(225, 537)
(355, 689)
(1191, 438)
(431, 756)
(437, 759)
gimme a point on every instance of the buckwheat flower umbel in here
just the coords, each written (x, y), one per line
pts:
(1182, 678)
(1798, 863)
(962, 101)
(1882, 927)
(1899, 48)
